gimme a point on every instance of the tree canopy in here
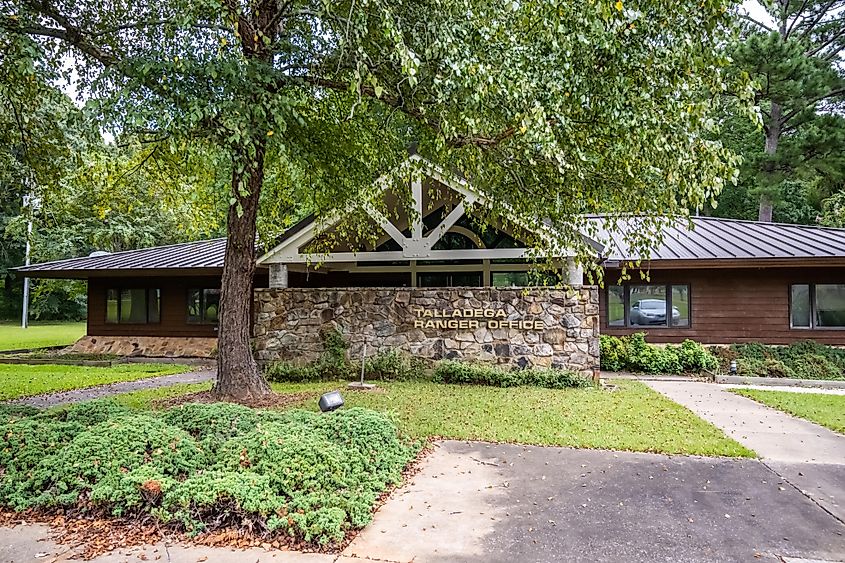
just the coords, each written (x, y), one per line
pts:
(557, 109)
(797, 158)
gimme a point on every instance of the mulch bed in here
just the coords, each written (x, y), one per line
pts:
(271, 401)
(89, 537)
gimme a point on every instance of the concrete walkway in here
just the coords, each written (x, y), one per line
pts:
(480, 502)
(775, 435)
(101, 391)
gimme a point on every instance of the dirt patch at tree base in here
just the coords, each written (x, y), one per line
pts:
(270, 401)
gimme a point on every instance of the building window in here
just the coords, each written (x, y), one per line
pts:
(525, 278)
(133, 306)
(203, 306)
(509, 279)
(648, 305)
(449, 279)
(817, 305)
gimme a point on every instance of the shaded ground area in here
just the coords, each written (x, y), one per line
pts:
(101, 391)
(484, 502)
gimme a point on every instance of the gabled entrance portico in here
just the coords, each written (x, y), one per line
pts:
(440, 283)
(427, 236)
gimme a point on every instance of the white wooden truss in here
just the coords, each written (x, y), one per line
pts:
(417, 246)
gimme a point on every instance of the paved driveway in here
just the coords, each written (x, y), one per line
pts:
(496, 502)
(483, 502)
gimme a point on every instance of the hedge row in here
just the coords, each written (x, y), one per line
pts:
(633, 353)
(801, 360)
(395, 366)
(448, 371)
(384, 366)
(312, 477)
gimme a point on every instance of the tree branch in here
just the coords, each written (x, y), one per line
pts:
(795, 18)
(398, 103)
(151, 23)
(813, 101)
(755, 22)
(824, 45)
(822, 13)
(68, 33)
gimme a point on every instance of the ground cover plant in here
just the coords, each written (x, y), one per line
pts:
(394, 365)
(299, 475)
(23, 380)
(449, 371)
(633, 353)
(802, 360)
(39, 335)
(821, 408)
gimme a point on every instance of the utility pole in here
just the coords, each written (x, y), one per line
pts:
(30, 203)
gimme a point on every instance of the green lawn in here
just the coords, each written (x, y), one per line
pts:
(631, 418)
(827, 410)
(21, 380)
(39, 335)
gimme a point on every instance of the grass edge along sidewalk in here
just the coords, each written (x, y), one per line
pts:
(827, 410)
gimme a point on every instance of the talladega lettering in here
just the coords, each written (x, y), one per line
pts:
(468, 319)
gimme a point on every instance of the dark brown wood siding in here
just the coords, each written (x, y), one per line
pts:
(734, 305)
(174, 307)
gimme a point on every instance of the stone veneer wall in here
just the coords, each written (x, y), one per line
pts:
(149, 346)
(288, 324)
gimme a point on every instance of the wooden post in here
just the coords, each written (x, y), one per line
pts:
(278, 276)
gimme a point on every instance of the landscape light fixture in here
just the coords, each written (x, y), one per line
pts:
(330, 401)
(733, 367)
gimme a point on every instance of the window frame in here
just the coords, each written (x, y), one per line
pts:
(120, 290)
(626, 306)
(813, 308)
(203, 306)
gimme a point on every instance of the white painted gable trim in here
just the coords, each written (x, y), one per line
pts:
(414, 247)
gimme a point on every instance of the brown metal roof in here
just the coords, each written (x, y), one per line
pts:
(199, 257)
(714, 239)
(711, 241)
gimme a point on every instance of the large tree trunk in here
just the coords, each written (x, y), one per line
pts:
(772, 137)
(238, 376)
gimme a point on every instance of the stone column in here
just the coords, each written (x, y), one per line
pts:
(278, 276)
(573, 272)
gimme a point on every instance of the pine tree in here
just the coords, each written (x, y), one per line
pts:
(796, 62)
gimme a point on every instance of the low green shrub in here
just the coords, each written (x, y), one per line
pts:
(763, 367)
(308, 476)
(450, 371)
(330, 366)
(633, 353)
(289, 372)
(614, 353)
(803, 360)
(815, 366)
(393, 365)
(695, 358)
(390, 365)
